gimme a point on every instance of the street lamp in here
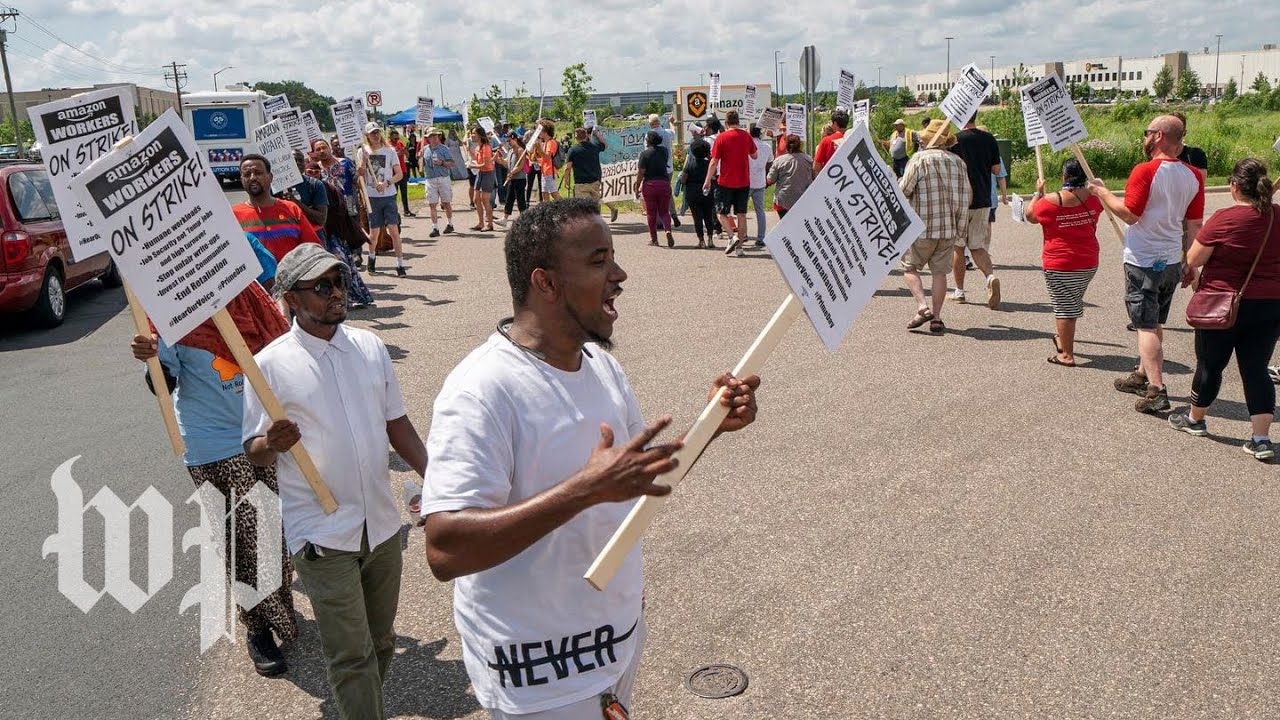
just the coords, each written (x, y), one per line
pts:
(782, 80)
(1216, 60)
(232, 67)
(776, 74)
(948, 82)
(442, 90)
(878, 77)
(993, 75)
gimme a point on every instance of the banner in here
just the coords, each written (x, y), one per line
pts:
(861, 112)
(313, 128)
(74, 132)
(748, 104)
(770, 119)
(714, 93)
(1059, 118)
(425, 116)
(274, 146)
(348, 123)
(963, 99)
(848, 83)
(796, 120)
(1031, 121)
(294, 127)
(168, 226)
(838, 242)
(693, 104)
(275, 104)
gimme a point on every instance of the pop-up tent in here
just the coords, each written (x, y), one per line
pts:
(410, 116)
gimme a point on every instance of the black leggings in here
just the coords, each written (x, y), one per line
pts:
(704, 212)
(1253, 339)
(515, 194)
(404, 193)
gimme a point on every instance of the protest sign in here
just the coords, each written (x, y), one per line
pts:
(1031, 121)
(713, 95)
(618, 162)
(361, 114)
(313, 128)
(1059, 119)
(770, 119)
(73, 132)
(486, 123)
(861, 112)
(796, 120)
(275, 104)
(844, 98)
(964, 98)
(835, 247)
(749, 104)
(425, 116)
(294, 127)
(1019, 208)
(528, 143)
(588, 119)
(618, 181)
(347, 122)
(274, 146)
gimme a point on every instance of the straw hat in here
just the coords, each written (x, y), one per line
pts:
(942, 129)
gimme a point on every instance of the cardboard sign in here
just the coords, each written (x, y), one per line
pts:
(425, 116)
(844, 98)
(618, 181)
(1031, 121)
(313, 127)
(713, 94)
(361, 114)
(796, 119)
(275, 104)
(1276, 147)
(486, 123)
(274, 146)
(964, 98)
(861, 112)
(749, 104)
(838, 242)
(294, 127)
(1058, 115)
(73, 132)
(770, 119)
(168, 226)
(347, 122)
(588, 119)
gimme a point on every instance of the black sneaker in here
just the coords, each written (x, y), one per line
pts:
(675, 221)
(435, 232)
(1182, 421)
(1155, 400)
(1261, 449)
(371, 269)
(1135, 382)
(400, 271)
(265, 654)
(448, 228)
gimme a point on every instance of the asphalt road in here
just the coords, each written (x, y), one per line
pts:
(917, 526)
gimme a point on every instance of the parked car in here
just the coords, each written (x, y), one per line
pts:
(36, 269)
(9, 152)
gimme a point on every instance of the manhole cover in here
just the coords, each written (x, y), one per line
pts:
(716, 681)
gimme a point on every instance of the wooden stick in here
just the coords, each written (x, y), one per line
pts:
(156, 371)
(1075, 148)
(249, 366)
(1039, 163)
(695, 441)
(537, 132)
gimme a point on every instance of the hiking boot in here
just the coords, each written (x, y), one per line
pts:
(1182, 421)
(1135, 382)
(1155, 400)
(1261, 449)
(265, 654)
(448, 228)
(435, 232)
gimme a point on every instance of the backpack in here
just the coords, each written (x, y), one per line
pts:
(558, 158)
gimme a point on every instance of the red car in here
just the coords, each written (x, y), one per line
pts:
(36, 269)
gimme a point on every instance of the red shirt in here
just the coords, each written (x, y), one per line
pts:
(734, 148)
(1234, 233)
(827, 148)
(1070, 234)
(404, 167)
(280, 227)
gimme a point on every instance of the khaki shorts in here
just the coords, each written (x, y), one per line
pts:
(937, 255)
(588, 190)
(976, 233)
(439, 189)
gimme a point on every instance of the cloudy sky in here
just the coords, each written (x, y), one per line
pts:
(400, 47)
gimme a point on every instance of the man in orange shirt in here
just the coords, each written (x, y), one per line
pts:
(544, 153)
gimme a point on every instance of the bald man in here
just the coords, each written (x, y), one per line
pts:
(1164, 207)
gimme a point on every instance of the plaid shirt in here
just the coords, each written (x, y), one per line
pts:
(936, 183)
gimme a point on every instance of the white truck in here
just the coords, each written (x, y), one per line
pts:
(223, 124)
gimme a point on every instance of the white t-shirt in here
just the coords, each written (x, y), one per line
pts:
(756, 166)
(507, 426)
(381, 164)
(1162, 193)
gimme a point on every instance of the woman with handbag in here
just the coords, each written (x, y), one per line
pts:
(1236, 307)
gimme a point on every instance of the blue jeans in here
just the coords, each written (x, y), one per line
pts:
(757, 201)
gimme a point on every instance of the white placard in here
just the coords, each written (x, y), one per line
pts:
(273, 144)
(1031, 121)
(848, 83)
(275, 104)
(713, 94)
(1276, 147)
(861, 112)
(73, 132)
(618, 181)
(588, 119)
(842, 237)
(1058, 115)
(168, 226)
(770, 119)
(348, 123)
(294, 127)
(749, 104)
(964, 98)
(486, 122)
(361, 114)
(425, 116)
(796, 120)
(313, 128)
(1018, 207)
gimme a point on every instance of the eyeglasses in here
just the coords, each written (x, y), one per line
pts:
(326, 288)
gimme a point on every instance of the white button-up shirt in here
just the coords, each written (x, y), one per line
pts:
(341, 393)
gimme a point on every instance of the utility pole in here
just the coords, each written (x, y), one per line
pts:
(10, 14)
(178, 76)
(948, 81)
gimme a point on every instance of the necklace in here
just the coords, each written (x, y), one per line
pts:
(504, 329)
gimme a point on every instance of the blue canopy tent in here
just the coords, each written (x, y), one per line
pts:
(410, 116)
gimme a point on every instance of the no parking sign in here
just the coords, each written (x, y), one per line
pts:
(373, 98)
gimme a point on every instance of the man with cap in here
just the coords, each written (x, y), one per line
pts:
(340, 393)
(379, 168)
(900, 146)
(438, 162)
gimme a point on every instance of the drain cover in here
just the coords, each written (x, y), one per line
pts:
(716, 681)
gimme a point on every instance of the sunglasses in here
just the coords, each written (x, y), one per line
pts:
(1149, 132)
(326, 288)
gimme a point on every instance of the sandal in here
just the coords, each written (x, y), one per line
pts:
(1056, 347)
(477, 227)
(922, 317)
(936, 327)
(489, 228)
(1055, 360)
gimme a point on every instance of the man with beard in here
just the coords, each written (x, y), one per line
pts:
(338, 386)
(538, 451)
(1163, 207)
(278, 224)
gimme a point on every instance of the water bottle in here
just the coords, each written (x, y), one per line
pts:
(412, 496)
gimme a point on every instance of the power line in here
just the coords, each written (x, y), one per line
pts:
(62, 58)
(123, 68)
(78, 76)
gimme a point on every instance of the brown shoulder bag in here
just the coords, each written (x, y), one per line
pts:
(1217, 309)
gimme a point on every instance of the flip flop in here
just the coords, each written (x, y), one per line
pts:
(922, 317)
(1056, 348)
(1054, 360)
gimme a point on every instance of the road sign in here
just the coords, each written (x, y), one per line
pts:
(810, 69)
(373, 98)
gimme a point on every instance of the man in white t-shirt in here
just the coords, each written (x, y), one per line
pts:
(538, 450)
(379, 168)
(758, 168)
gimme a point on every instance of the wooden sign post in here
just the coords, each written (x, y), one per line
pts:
(156, 371)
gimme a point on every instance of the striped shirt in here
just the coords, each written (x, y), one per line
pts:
(936, 184)
(280, 226)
